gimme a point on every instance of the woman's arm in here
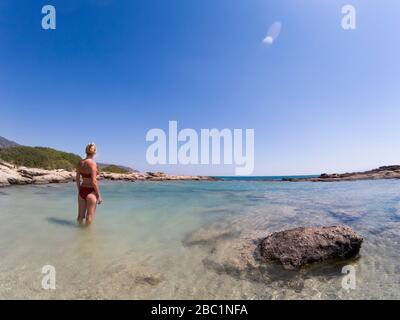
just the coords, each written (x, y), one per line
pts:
(78, 179)
(93, 173)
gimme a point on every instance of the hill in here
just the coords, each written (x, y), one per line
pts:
(112, 168)
(5, 143)
(39, 157)
(48, 158)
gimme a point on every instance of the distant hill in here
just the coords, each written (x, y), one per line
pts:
(113, 169)
(5, 143)
(39, 157)
(48, 158)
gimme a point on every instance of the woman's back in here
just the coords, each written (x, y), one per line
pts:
(85, 168)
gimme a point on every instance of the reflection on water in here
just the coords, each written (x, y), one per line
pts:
(184, 240)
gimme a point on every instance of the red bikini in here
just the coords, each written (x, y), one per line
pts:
(85, 191)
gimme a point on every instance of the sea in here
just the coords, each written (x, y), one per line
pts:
(187, 239)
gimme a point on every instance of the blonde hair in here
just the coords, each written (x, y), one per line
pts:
(91, 149)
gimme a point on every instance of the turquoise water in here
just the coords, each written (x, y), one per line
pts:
(179, 240)
(263, 178)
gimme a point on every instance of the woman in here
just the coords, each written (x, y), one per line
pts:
(89, 192)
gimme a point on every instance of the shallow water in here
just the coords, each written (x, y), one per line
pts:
(136, 247)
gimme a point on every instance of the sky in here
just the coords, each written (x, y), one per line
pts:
(319, 98)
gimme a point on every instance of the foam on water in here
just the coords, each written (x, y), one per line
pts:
(136, 247)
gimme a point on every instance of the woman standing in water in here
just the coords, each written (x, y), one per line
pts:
(89, 192)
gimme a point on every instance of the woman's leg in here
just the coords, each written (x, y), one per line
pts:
(91, 203)
(81, 209)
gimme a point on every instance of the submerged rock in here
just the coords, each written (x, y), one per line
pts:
(347, 216)
(235, 248)
(298, 247)
(209, 236)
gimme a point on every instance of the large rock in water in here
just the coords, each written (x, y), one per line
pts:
(298, 247)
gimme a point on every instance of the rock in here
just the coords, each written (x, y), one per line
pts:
(11, 174)
(385, 172)
(235, 250)
(6, 164)
(392, 167)
(19, 180)
(151, 176)
(156, 174)
(53, 177)
(8, 176)
(31, 172)
(298, 247)
(3, 181)
(118, 176)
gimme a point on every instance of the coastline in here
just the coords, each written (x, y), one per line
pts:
(11, 174)
(17, 175)
(384, 172)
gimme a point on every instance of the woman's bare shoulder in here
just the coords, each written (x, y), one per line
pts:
(79, 164)
(91, 163)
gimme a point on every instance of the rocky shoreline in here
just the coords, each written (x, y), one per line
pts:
(16, 175)
(385, 172)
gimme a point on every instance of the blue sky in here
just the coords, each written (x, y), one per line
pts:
(320, 99)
